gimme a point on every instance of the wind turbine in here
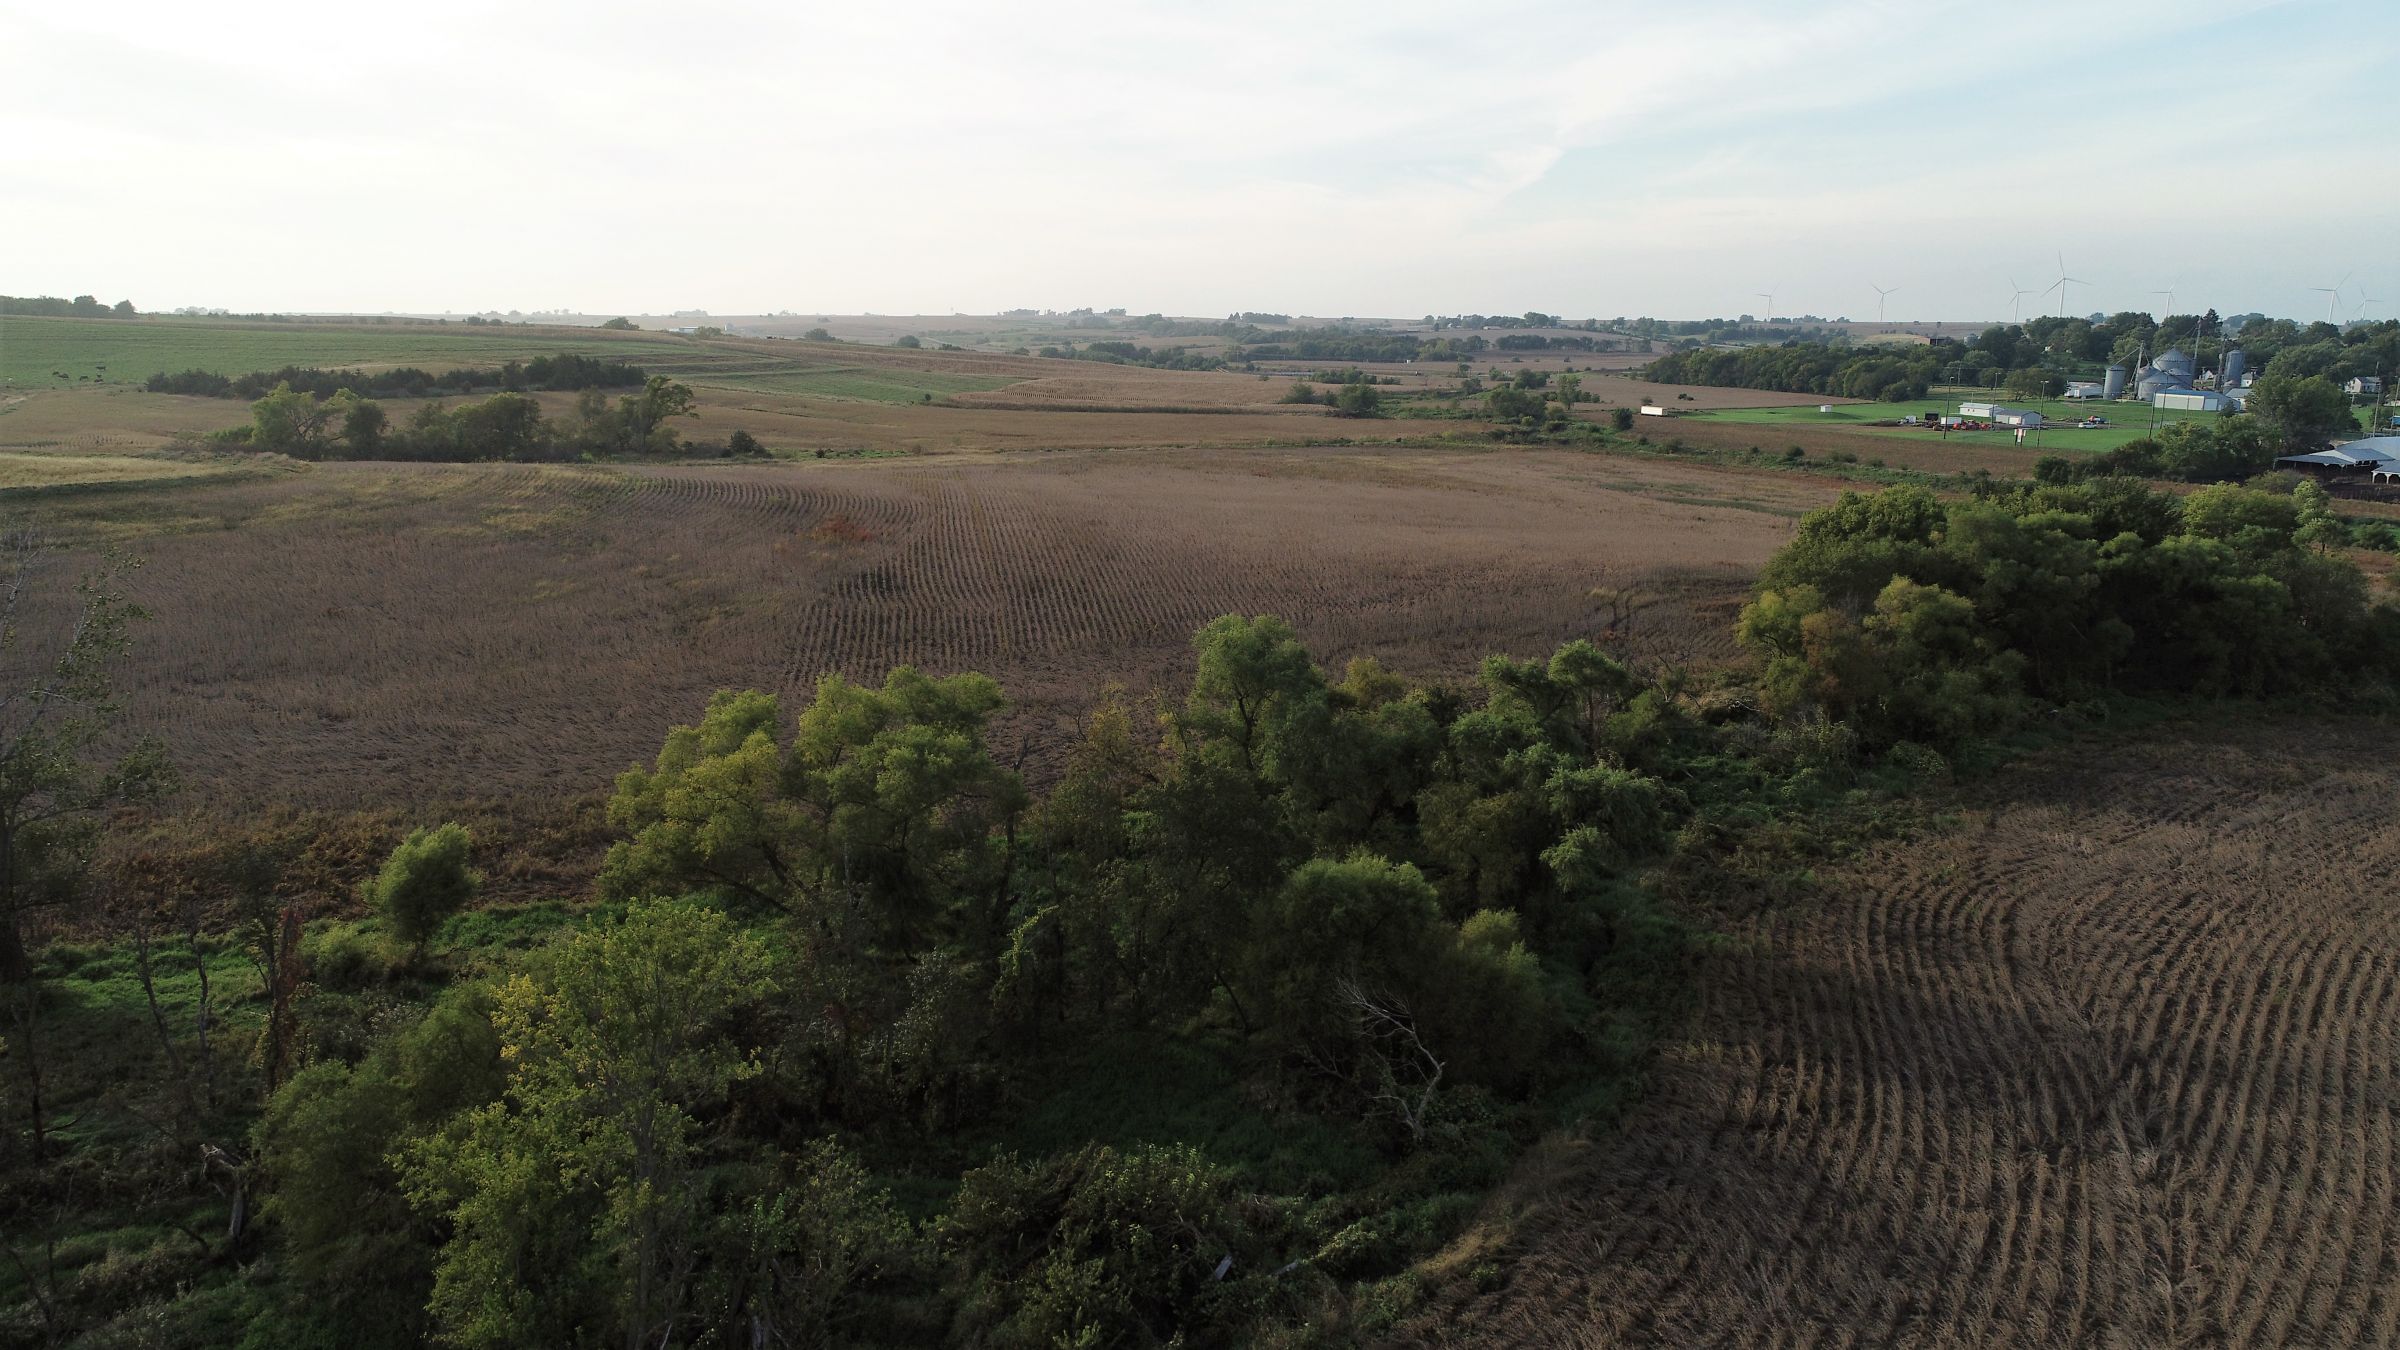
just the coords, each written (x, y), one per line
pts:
(2060, 285)
(2331, 293)
(2169, 292)
(2016, 301)
(1769, 297)
(1881, 293)
(2365, 301)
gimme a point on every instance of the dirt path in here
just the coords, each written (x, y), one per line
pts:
(2115, 1063)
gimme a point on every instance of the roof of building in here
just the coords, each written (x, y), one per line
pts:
(2372, 452)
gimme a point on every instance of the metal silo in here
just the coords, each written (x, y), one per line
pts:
(2115, 386)
(2235, 363)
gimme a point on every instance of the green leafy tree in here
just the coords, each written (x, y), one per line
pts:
(804, 1248)
(619, 324)
(2304, 413)
(289, 422)
(1358, 399)
(327, 1144)
(1364, 922)
(646, 414)
(425, 881)
(362, 421)
(1103, 1246)
(588, 1169)
(2031, 382)
(886, 799)
(1508, 403)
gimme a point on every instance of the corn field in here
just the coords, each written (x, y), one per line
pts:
(369, 634)
(2115, 1063)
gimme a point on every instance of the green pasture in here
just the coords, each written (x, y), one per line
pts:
(35, 352)
(2127, 421)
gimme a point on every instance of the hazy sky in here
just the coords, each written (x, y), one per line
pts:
(1583, 156)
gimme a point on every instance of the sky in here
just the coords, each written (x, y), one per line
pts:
(1580, 157)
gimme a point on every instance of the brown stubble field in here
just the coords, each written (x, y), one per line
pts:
(356, 635)
(2116, 1062)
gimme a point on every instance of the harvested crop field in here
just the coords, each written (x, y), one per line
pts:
(359, 634)
(2116, 1062)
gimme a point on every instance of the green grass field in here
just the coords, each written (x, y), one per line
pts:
(2126, 420)
(34, 352)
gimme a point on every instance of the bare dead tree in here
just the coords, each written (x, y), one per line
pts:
(1407, 1074)
(1619, 606)
(141, 920)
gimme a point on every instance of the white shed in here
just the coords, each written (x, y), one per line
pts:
(2016, 417)
(1982, 412)
(2188, 400)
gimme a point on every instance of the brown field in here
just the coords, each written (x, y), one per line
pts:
(359, 634)
(2116, 1062)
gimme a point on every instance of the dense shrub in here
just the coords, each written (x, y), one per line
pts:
(424, 882)
(1104, 1246)
(1938, 622)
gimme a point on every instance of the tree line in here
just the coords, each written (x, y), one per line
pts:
(51, 307)
(504, 426)
(565, 371)
(1891, 374)
(2036, 359)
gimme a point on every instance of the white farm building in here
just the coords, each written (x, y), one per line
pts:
(2376, 458)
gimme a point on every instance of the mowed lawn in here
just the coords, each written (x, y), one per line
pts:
(2127, 421)
(34, 353)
